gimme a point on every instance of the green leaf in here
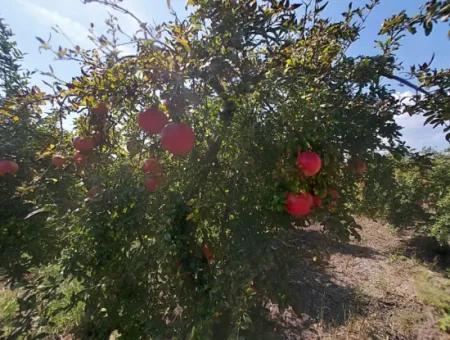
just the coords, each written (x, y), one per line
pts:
(183, 42)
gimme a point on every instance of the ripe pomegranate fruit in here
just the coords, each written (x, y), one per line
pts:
(58, 161)
(309, 163)
(97, 137)
(152, 120)
(79, 158)
(177, 138)
(299, 204)
(14, 167)
(317, 201)
(152, 184)
(209, 255)
(99, 115)
(334, 194)
(360, 167)
(4, 167)
(83, 144)
(8, 167)
(152, 166)
(100, 109)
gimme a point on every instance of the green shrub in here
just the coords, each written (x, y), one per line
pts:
(412, 191)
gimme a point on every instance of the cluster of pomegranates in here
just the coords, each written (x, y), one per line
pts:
(176, 137)
(153, 174)
(301, 204)
(309, 164)
(8, 167)
(83, 145)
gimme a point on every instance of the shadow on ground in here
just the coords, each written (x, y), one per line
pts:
(315, 295)
(427, 250)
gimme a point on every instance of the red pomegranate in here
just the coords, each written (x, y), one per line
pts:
(97, 137)
(83, 144)
(8, 167)
(334, 194)
(309, 163)
(58, 161)
(100, 109)
(14, 167)
(79, 158)
(4, 167)
(360, 167)
(152, 166)
(178, 138)
(152, 184)
(299, 204)
(209, 255)
(317, 201)
(152, 120)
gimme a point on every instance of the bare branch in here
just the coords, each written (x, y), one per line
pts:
(407, 83)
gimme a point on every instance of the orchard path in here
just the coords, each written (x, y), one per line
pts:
(383, 287)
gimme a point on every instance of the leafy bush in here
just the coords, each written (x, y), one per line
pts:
(25, 137)
(411, 191)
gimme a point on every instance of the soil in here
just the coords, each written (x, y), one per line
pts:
(361, 290)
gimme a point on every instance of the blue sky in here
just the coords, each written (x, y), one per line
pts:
(30, 18)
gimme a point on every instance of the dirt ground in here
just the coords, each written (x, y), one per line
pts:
(387, 286)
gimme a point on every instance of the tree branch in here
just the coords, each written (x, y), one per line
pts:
(407, 83)
(121, 9)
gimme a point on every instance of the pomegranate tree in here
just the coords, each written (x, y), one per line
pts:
(278, 109)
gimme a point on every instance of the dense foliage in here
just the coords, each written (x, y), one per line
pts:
(411, 192)
(24, 134)
(197, 251)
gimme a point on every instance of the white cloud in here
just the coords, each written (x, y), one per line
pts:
(415, 134)
(72, 28)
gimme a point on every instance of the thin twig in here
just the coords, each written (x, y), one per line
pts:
(121, 9)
